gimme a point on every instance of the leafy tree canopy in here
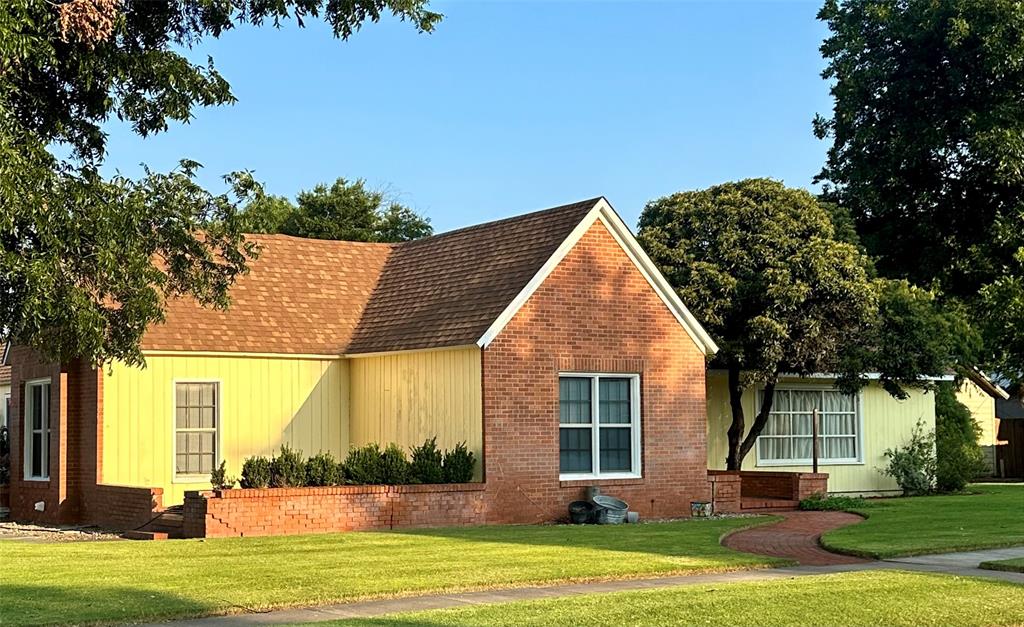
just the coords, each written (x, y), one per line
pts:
(927, 149)
(87, 263)
(344, 211)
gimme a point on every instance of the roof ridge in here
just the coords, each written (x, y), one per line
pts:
(501, 221)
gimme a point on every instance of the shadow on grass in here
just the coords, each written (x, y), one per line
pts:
(50, 605)
(689, 538)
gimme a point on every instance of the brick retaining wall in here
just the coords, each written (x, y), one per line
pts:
(794, 486)
(282, 511)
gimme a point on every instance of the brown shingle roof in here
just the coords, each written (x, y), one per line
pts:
(301, 296)
(446, 290)
(307, 296)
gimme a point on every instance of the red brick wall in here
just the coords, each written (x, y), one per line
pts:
(74, 492)
(725, 491)
(594, 313)
(783, 485)
(282, 511)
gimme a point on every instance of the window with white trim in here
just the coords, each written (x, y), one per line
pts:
(196, 419)
(787, 436)
(37, 429)
(599, 426)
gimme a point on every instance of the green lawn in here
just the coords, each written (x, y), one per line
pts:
(884, 598)
(1015, 565)
(133, 581)
(993, 516)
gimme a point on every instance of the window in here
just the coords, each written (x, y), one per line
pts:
(787, 438)
(599, 426)
(6, 409)
(196, 420)
(37, 430)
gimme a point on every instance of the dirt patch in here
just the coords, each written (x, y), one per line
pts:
(53, 533)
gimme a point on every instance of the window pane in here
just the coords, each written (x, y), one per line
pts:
(37, 406)
(206, 418)
(805, 401)
(838, 424)
(774, 448)
(180, 420)
(802, 424)
(841, 448)
(802, 448)
(575, 450)
(181, 463)
(37, 455)
(837, 402)
(574, 400)
(614, 401)
(777, 425)
(616, 450)
(206, 463)
(206, 442)
(780, 401)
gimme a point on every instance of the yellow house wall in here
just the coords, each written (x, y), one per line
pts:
(406, 398)
(264, 402)
(887, 423)
(983, 410)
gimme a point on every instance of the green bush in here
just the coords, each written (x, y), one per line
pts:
(394, 467)
(959, 459)
(458, 464)
(363, 465)
(323, 470)
(824, 503)
(287, 470)
(913, 465)
(256, 472)
(427, 463)
(219, 478)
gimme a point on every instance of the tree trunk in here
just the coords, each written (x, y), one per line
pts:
(734, 459)
(738, 445)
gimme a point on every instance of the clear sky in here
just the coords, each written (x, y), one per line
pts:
(515, 106)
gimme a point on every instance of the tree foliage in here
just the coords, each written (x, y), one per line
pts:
(87, 263)
(344, 211)
(927, 148)
(759, 265)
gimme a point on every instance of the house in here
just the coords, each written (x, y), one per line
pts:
(548, 342)
(1009, 437)
(855, 430)
(980, 395)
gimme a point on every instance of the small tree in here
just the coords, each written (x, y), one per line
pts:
(758, 264)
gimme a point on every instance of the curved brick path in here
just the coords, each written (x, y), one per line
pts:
(796, 538)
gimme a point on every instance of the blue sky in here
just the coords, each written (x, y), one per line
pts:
(515, 106)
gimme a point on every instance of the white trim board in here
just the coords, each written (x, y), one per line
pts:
(603, 211)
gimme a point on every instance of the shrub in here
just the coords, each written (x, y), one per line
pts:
(363, 465)
(256, 472)
(824, 503)
(913, 465)
(958, 457)
(287, 470)
(394, 467)
(219, 478)
(323, 470)
(458, 464)
(427, 466)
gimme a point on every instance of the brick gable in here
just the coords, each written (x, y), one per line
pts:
(594, 313)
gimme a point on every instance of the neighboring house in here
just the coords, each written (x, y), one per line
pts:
(548, 342)
(855, 430)
(1009, 437)
(980, 395)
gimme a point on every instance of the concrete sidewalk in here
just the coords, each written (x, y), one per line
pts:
(961, 564)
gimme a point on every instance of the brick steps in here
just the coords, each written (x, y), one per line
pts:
(169, 524)
(144, 535)
(763, 504)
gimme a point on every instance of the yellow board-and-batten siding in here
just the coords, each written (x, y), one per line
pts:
(983, 409)
(311, 403)
(885, 423)
(407, 397)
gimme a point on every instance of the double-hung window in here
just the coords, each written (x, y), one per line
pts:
(599, 426)
(37, 430)
(787, 437)
(196, 419)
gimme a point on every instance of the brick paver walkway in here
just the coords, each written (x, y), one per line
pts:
(796, 537)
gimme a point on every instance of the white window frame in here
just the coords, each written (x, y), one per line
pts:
(858, 400)
(595, 427)
(218, 430)
(5, 405)
(45, 431)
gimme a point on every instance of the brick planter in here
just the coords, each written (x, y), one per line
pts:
(282, 511)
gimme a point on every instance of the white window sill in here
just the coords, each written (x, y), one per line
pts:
(36, 479)
(191, 479)
(808, 462)
(599, 477)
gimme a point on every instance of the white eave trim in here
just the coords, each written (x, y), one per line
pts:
(603, 211)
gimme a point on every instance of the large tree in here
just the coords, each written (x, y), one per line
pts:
(759, 265)
(927, 149)
(344, 211)
(86, 263)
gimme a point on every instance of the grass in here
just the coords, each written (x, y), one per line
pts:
(861, 599)
(126, 581)
(1015, 565)
(989, 517)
